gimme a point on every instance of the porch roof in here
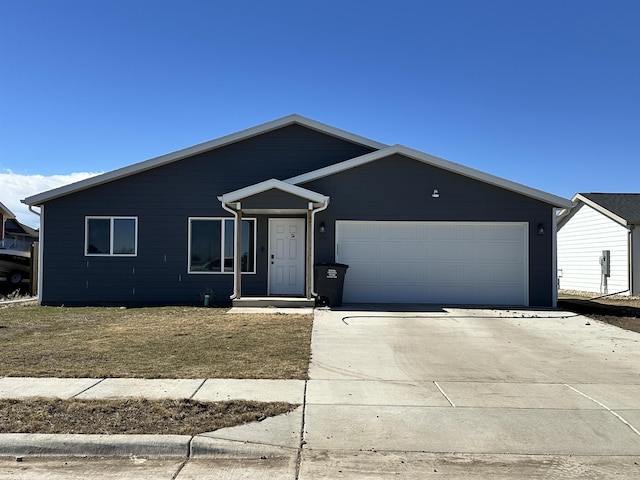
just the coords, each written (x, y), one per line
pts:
(273, 184)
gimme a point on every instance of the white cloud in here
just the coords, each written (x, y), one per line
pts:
(15, 187)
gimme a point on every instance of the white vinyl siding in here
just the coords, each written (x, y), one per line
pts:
(581, 241)
(434, 262)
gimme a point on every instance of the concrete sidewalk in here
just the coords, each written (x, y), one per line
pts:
(206, 390)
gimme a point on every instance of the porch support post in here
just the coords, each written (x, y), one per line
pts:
(309, 237)
(238, 254)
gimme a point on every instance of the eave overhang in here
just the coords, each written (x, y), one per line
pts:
(553, 200)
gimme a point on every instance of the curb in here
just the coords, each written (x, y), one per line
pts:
(94, 445)
(184, 446)
(203, 446)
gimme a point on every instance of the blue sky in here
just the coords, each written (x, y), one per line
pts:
(541, 92)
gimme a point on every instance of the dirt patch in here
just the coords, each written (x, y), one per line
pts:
(131, 416)
(623, 312)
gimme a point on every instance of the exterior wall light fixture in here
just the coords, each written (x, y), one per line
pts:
(435, 193)
(540, 229)
(323, 228)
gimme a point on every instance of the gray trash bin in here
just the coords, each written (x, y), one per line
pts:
(329, 283)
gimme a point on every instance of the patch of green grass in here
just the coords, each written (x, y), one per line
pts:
(131, 416)
(166, 342)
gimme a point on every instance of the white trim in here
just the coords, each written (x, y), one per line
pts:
(197, 149)
(525, 234)
(222, 245)
(554, 257)
(112, 219)
(601, 209)
(437, 162)
(272, 184)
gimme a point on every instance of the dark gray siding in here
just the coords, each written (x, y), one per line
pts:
(275, 199)
(163, 199)
(399, 188)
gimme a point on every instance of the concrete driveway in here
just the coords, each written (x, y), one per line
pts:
(530, 391)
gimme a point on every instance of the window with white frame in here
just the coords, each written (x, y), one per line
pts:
(111, 236)
(212, 241)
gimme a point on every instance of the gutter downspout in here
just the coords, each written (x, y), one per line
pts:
(630, 259)
(33, 211)
(40, 214)
(235, 214)
(40, 250)
(313, 241)
(554, 257)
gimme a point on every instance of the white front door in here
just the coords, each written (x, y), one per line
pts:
(286, 256)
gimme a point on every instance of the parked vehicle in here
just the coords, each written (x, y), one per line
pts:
(15, 261)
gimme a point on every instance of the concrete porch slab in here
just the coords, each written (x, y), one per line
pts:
(283, 302)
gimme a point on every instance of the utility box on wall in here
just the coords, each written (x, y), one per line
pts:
(605, 263)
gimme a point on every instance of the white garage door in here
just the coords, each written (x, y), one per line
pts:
(434, 262)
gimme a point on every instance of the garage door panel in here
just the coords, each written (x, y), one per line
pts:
(361, 250)
(434, 262)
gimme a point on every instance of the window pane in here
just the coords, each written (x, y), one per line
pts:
(98, 235)
(124, 236)
(229, 236)
(206, 236)
(248, 245)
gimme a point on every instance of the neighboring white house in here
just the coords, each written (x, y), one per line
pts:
(599, 223)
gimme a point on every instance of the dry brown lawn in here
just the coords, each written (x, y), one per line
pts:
(130, 416)
(165, 342)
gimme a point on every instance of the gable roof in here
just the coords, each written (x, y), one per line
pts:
(41, 198)
(14, 227)
(436, 162)
(6, 213)
(272, 184)
(624, 208)
(382, 151)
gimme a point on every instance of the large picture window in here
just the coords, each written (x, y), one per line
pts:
(211, 245)
(111, 236)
